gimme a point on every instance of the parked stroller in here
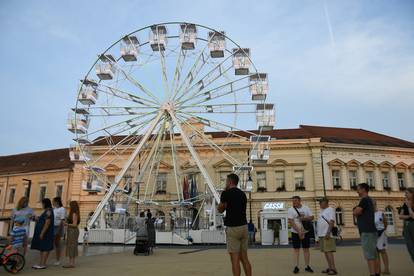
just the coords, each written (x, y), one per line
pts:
(142, 242)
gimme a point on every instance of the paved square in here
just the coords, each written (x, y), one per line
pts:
(192, 262)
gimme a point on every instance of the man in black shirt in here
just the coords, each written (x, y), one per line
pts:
(365, 214)
(234, 201)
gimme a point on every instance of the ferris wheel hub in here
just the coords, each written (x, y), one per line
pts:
(168, 106)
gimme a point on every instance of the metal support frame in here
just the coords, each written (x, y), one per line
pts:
(119, 177)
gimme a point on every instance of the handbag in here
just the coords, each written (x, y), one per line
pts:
(334, 229)
(307, 225)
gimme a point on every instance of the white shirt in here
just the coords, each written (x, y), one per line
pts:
(60, 214)
(292, 214)
(323, 226)
(379, 221)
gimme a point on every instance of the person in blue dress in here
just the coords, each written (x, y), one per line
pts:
(44, 233)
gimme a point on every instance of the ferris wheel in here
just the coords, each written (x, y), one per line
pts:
(163, 98)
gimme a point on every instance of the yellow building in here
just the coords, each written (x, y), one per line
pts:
(308, 161)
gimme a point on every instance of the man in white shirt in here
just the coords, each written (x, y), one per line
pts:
(326, 222)
(298, 216)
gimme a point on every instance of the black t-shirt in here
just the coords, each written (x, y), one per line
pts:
(366, 221)
(404, 211)
(236, 202)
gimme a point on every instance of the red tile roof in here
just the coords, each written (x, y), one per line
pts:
(35, 161)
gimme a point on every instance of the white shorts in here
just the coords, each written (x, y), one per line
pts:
(382, 242)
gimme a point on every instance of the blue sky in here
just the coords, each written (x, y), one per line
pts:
(331, 63)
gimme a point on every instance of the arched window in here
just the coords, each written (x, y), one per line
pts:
(339, 217)
(389, 215)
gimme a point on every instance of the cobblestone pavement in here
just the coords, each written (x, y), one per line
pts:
(174, 261)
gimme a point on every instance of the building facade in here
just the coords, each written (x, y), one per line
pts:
(308, 161)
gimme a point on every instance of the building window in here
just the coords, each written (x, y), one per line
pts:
(161, 183)
(336, 179)
(26, 191)
(59, 190)
(261, 181)
(280, 181)
(12, 194)
(223, 179)
(42, 193)
(370, 179)
(353, 179)
(299, 180)
(386, 181)
(401, 182)
(339, 216)
(389, 215)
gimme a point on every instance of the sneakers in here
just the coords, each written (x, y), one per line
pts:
(309, 269)
(296, 270)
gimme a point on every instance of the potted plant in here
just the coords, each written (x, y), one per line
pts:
(337, 187)
(261, 189)
(281, 188)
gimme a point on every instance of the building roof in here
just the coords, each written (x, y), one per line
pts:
(59, 158)
(35, 161)
(326, 134)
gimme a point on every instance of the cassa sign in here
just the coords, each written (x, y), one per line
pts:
(274, 206)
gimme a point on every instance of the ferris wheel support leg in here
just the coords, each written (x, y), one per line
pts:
(121, 174)
(196, 158)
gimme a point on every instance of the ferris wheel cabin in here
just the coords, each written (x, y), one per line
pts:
(92, 184)
(260, 152)
(105, 69)
(78, 123)
(259, 86)
(158, 37)
(241, 61)
(78, 155)
(88, 94)
(216, 44)
(188, 36)
(265, 116)
(129, 48)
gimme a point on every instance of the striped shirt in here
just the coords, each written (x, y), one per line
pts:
(18, 234)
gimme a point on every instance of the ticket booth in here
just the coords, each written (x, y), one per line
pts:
(273, 216)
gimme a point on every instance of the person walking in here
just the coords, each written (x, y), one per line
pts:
(382, 242)
(43, 236)
(406, 213)
(251, 229)
(72, 224)
(234, 202)
(300, 218)
(365, 214)
(24, 213)
(60, 214)
(326, 222)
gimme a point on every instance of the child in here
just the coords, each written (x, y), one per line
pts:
(18, 235)
(85, 236)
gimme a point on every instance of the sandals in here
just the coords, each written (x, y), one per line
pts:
(39, 267)
(68, 266)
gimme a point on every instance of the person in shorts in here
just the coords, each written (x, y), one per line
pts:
(234, 202)
(326, 222)
(365, 214)
(297, 215)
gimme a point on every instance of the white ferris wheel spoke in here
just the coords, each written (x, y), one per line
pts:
(136, 83)
(217, 92)
(177, 72)
(175, 164)
(213, 145)
(164, 72)
(113, 91)
(193, 73)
